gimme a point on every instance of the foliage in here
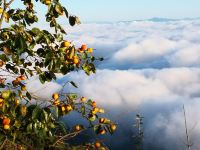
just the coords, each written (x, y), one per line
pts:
(27, 51)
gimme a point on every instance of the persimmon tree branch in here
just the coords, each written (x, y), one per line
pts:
(4, 9)
(5, 6)
(67, 136)
(9, 3)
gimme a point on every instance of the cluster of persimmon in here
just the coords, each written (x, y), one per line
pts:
(71, 52)
(102, 130)
(66, 108)
(102, 121)
(92, 114)
(97, 145)
(63, 107)
(107, 121)
(84, 48)
(17, 82)
(6, 123)
(94, 106)
(94, 111)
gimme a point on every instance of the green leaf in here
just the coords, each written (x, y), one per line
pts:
(2, 86)
(22, 71)
(84, 56)
(4, 57)
(36, 31)
(38, 70)
(29, 127)
(96, 128)
(66, 12)
(42, 78)
(20, 44)
(92, 67)
(47, 60)
(65, 70)
(83, 110)
(73, 96)
(85, 67)
(17, 124)
(74, 84)
(36, 113)
(52, 74)
(55, 111)
(72, 53)
(72, 20)
(59, 9)
(47, 76)
(28, 95)
(39, 38)
(89, 102)
(59, 37)
(45, 114)
(35, 127)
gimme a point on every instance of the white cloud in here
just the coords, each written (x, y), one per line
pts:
(144, 52)
(188, 56)
(135, 87)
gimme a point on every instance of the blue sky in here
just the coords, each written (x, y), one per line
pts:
(117, 10)
(125, 10)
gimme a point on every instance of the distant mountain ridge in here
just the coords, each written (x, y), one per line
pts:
(154, 19)
(157, 19)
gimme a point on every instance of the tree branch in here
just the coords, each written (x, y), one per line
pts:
(5, 6)
(67, 136)
(9, 3)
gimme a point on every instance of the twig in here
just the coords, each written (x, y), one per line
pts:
(5, 6)
(67, 136)
(63, 86)
(2, 145)
(4, 9)
(9, 3)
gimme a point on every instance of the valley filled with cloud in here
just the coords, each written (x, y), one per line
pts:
(150, 67)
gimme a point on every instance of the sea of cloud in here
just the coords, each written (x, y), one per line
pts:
(150, 68)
